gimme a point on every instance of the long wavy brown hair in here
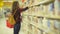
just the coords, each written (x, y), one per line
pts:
(15, 6)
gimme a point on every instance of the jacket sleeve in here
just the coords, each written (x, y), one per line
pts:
(23, 9)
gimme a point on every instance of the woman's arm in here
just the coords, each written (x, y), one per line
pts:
(23, 9)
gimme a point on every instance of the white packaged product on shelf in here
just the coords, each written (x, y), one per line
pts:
(48, 23)
(45, 24)
(57, 7)
(56, 24)
(51, 8)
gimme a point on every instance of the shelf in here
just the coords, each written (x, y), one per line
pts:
(33, 14)
(42, 15)
(53, 17)
(41, 28)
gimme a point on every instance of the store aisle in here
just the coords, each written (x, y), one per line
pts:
(4, 29)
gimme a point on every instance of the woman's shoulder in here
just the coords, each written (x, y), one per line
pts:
(19, 10)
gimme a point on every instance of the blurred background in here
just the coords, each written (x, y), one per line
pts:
(43, 19)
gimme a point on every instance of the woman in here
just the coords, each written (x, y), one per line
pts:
(17, 16)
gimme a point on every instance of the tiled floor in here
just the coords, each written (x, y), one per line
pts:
(4, 29)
